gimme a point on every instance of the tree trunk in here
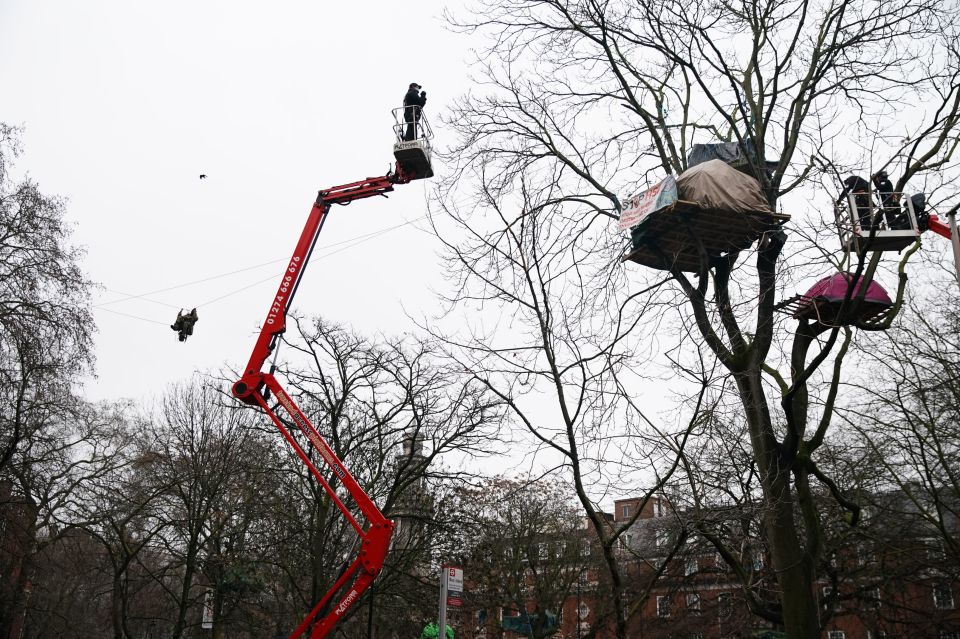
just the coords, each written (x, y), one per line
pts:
(219, 627)
(790, 560)
(189, 571)
(116, 605)
(15, 612)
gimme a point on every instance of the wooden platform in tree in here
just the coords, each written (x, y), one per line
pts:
(673, 232)
(827, 312)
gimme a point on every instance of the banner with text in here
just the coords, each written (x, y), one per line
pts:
(639, 206)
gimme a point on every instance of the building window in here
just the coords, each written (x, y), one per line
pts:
(658, 508)
(693, 602)
(542, 551)
(690, 566)
(757, 560)
(661, 538)
(949, 634)
(943, 597)
(696, 635)
(826, 599)
(935, 550)
(625, 511)
(864, 555)
(724, 604)
(583, 611)
(663, 606)
(585, 549)
(625, 541)
(876, 634)
(872, 598)
(836, 634)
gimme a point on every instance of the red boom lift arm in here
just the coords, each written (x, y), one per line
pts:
(255, 386)
(934, 224)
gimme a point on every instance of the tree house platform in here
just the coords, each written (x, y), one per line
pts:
(674, 232)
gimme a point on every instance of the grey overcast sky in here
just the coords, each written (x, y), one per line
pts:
(125, 104)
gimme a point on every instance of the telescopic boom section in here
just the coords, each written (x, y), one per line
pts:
(250, 389)
(938, 227)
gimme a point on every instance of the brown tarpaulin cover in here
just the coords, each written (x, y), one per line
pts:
(716, 185)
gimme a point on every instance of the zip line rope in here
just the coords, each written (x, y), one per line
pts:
(130, 296)
(142, 319)
(349, 243)
(359, 240)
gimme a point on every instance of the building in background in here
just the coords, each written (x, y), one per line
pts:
(891, 576)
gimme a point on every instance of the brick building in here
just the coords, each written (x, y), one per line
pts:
(887, 578)
(18, 517)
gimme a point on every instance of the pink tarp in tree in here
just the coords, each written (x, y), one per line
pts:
(834, 289)
(823, 301)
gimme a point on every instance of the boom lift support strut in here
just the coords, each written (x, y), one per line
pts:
(255, 387)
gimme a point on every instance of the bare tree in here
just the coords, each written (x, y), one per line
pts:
(49, 439)
(549, 333)
(393, 410)
(907, 413)
(205, 453)
(46, 327)
(51, 481)
(585, 98)
(524, 547)
(119, 510)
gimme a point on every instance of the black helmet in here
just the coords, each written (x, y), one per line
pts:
(414, 85)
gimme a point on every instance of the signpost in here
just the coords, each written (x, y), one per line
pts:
(639, 206)
(206, 623)
(454, 587)
(451, 593)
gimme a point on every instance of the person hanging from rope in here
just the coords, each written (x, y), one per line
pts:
(184, 324)
(413, 103)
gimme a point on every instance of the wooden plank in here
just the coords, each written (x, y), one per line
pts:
(718, 230)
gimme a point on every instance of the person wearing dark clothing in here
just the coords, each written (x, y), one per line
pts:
(184, 324)
(413, 103)
(861, 190)
(919, 203)
(883, 187)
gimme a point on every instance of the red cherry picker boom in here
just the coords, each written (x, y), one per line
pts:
(412, 152)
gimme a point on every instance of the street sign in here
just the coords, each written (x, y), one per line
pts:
(454, 586)
(451, 591)
(454, 578)
(206, 622)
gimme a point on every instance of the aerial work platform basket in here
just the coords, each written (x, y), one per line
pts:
(412, 148)
(710, 205)
(873, 221)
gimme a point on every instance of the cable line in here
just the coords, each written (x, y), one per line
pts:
(239, 290)
(343, 244)
(142, 319)
(185, 284)
(131, 296)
